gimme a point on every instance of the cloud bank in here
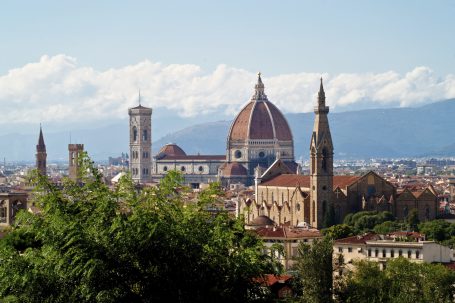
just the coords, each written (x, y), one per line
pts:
(57, 89)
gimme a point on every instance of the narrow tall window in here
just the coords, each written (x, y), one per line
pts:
(3, 212)
(134, 134)
(144, 135)
(324, 159)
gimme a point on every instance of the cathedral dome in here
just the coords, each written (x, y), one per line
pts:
(260, 119)
(171, 150)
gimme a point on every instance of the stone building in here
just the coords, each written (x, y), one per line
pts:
(74, 150)
(293, 199)
(140, 143)
(257, 137)
(382, 248)
(196, 169)
(41, 154)
(10, 204)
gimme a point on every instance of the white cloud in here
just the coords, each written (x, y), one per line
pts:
(58, 89)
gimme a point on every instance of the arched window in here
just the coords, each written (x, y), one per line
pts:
(405, 211)
(134, 133)
(383, 253)
(313, 161)
(417, 254)
(144, 135)
(427, 212)
(409, 254)
(324, 208)
(3, 212)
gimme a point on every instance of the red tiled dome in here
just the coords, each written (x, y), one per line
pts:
(233, 169)
(260, 119)
(172, 150)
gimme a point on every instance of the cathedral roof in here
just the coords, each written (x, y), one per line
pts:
(261, 221)
(171, 150)
(260, 119)
(233, 169)
(293, 180)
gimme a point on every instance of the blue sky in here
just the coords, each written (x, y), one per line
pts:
(70, 64)
(273, 36)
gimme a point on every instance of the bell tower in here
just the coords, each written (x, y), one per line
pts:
(140, 143)
(321, 165)
(41, 154)
(74, 152)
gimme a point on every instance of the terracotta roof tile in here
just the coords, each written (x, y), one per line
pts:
(196, 157)
(289, 180)
(270, 280)
(344, 181)
(293, 180)
(358, 239)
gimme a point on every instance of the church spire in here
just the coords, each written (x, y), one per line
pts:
(321, 94)
(321, 164)
(321, 108)
(41, 146)
(41, 154)
(259, 90)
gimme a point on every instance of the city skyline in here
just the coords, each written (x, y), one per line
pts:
(89, 68)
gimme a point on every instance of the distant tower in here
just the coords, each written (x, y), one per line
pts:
(140, 142)
(41, 154)
(321, 166)
(73, 166)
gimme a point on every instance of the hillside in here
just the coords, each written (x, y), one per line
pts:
(397, 132)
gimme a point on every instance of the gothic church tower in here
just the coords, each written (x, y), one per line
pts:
(321, 166)
(41, 154)
(140, 143)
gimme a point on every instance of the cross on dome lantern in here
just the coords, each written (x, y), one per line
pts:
(259, 90)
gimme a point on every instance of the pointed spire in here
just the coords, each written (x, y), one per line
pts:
(321, 94)
(41, 146)
(259, 90)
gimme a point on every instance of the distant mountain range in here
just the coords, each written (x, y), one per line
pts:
(397, 132)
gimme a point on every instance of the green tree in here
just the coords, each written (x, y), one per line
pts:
(438, 230)
(93, 244)
(329, 216)
(365, 221)
(412, 220)
(336, 232)
(315, 271)
(401, 281)
(386, 227)
(367, 283)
